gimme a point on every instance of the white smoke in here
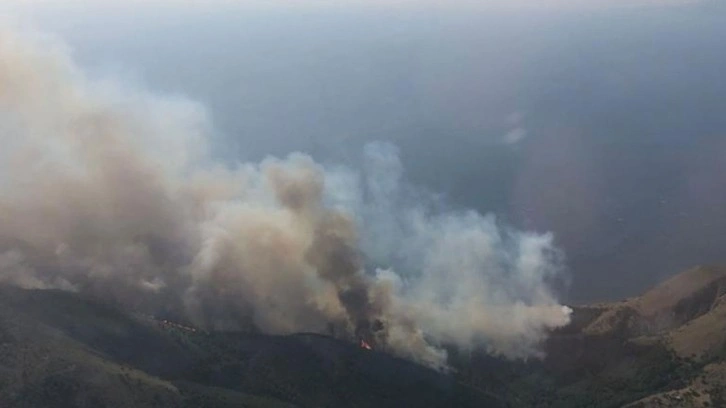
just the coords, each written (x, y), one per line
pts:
(111, 190)
(462, 278)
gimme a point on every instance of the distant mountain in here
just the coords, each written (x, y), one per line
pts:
(666, 348)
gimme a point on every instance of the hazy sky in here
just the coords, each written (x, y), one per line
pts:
(603, 124)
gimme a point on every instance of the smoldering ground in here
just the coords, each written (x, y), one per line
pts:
(110, 190)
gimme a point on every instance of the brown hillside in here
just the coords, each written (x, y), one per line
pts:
(665, 348)
(685, 298)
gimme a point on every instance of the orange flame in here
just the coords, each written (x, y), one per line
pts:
(365, 345)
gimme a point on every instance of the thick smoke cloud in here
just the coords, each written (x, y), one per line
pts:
(109, 190)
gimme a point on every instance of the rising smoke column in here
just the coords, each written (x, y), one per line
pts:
(454, 276)
(109, 190)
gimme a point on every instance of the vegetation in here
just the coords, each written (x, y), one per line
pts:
(59, 350)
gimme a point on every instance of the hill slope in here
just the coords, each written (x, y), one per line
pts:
(667, 346)
(61, 350)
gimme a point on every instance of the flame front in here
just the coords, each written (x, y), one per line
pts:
(365, 345)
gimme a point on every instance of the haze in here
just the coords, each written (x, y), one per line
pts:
(604, 125)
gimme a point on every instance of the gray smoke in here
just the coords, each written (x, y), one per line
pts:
(110, 190)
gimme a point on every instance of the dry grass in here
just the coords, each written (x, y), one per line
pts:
(667, 296)
(703, 391)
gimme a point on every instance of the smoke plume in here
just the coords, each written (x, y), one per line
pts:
(110, 190)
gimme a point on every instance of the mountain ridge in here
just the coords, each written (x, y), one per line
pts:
(59, 349)
(664, 348)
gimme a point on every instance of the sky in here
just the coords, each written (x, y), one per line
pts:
(601, 122)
